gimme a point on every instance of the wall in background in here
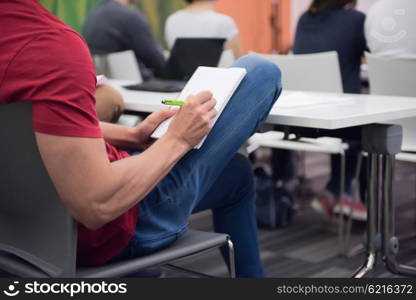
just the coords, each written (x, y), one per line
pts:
(264, 24)
(284, 29)
(157, 11)
(253, 18)
(73, 12)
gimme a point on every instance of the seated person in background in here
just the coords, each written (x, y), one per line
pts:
(127, 206)
(199, 20)
(113, 27)
(332, 25)
(390, 28)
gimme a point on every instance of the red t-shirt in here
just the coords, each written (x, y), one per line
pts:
(45, 62)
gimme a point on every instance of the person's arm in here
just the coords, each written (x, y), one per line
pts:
(143, 44)
(360, 40)
(230, 31)
(96, 191)
(234, 44)
(135, 138)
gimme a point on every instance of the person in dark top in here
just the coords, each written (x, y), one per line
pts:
(113, 27)
(331, 25)
(335, 26)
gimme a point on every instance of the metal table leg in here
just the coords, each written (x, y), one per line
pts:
(390, 242)
(372, 219)
(382, 142)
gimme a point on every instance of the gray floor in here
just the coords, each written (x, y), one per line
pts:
(308, 248)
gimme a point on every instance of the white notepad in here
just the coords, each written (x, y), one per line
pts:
(221, 82)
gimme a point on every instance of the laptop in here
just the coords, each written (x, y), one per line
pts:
(186, 56)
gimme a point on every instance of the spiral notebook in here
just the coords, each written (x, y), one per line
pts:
(221, 82)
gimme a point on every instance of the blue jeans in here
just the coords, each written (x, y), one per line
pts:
(214, 177)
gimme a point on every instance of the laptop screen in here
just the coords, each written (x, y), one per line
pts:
(190, 53)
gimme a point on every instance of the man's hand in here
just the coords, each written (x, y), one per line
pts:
(193, 121)
(144, 130)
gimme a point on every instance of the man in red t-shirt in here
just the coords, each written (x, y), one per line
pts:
(48, 64)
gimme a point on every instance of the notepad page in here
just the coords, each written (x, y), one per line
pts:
(221, 82)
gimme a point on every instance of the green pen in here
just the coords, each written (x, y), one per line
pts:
(174, 102)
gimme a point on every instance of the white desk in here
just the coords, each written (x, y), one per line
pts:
(358, 110)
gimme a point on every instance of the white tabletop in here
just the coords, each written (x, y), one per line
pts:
(335, 111)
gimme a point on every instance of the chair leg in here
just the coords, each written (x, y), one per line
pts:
(231, 264)
(341, 230)
(355, 250)
(231, 258)
(390, 241)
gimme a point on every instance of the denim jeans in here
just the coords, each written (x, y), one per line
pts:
(214, 177)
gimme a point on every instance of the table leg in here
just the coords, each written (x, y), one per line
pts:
(372, 218)
(390, 242)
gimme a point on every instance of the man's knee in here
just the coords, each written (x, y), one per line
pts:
(109, 103)
(261, 69)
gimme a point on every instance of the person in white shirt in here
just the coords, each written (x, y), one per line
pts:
(199, 20)
(391, 29)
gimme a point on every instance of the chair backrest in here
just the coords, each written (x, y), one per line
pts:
(227, 59)
(119, 65)
(395, 77)
(391, 77)
(309, 72)
(34, 224)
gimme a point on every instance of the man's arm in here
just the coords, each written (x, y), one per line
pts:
(136, 138)
(96, 191)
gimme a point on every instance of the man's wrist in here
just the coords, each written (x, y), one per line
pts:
(177, 144)
(135, 136)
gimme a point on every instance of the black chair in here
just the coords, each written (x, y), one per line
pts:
(37, 235)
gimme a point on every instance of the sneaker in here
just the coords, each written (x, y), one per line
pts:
(344, 206)
(323, 204)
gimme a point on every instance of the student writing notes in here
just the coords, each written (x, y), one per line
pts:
(221, 82)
